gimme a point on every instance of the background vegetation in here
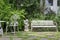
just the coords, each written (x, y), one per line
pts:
(30, 9)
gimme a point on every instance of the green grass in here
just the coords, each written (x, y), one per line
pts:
(39, 35)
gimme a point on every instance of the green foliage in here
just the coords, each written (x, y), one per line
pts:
(50, 16)
(6, 12)
(33, 11)
(30, 9)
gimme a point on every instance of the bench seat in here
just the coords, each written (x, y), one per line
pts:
(43, 26)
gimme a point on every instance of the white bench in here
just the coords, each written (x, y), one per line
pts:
(42, 23)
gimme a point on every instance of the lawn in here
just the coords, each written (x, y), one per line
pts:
(35, 35)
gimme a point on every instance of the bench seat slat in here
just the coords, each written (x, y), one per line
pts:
(43, 26)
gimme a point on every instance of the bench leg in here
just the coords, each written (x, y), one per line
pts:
(31, 28)
(56, 29)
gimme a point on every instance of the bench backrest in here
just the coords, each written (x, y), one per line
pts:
(42, 23)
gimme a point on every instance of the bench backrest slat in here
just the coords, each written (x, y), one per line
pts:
(42, 23)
